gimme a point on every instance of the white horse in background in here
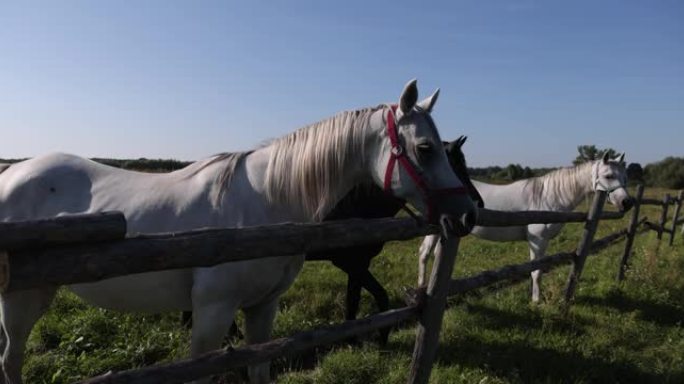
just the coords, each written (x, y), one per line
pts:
(561, 190)
(299, 177)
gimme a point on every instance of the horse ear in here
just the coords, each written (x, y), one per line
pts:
(621, 158)
(428, 103)
(408, 97)
(605, 158)
(461, 140)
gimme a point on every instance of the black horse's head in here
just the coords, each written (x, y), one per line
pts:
(458, 164)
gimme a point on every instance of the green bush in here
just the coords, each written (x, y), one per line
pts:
(667, 173)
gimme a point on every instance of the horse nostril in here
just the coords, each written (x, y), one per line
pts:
(627, 204)
(468, 220)
(447, 225)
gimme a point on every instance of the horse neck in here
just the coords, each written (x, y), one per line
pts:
(565, 188)
(218, 171)
(312, 169)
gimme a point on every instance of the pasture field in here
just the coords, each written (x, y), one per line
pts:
(628, 332)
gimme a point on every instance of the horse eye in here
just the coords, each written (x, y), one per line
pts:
(610, 177)
(424, 148)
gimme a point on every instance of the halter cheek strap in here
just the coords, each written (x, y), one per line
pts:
(596, 180)
(398, 155)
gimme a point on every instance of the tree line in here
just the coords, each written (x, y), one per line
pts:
(667, 173)
(141, 164)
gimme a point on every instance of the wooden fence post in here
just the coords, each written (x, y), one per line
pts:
(585, 243)
(432, 312)
(663, 216)
(675, 218)
(631, 232)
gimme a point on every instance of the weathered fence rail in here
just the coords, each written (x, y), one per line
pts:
(585, 243)
(665, 204)
(223, 360)
(72, 229)
(147, 253)
(652, 202)
(675, 218)
(491, 218)
(432, 314)
(31, 268)
(631, 232)
(519, 272)
(25, 266)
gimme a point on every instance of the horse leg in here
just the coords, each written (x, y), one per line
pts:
(351, 267)
(212, 313)
(353, 298)
(19, 312)
(258, 326)
(186, 319)
(359, 277)
(210, 322)
(371, 284)
(424, 251)
(537, 244)
(186, 322)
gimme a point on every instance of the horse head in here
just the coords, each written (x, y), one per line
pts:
(610, 176)
(411, 162)
(454, 152)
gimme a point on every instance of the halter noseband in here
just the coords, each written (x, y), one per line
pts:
(398, 155)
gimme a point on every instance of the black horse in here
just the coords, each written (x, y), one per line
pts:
(370, 202)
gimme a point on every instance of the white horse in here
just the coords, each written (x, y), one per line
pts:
(298, 177)
(561, 190)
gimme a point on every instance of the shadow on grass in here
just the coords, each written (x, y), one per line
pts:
(497, 319)
(662, 314)
(516, 361)
(520, 362)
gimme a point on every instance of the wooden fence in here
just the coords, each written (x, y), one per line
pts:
(69, 250)
(659, 227)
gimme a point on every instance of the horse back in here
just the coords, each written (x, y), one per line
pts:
(365, 202)
(45, 186)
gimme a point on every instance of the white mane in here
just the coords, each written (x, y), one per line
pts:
(225, 176)
(306, 166)
(567, 186)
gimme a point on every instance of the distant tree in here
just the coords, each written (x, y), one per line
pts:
(667, 173)
(145, 165)
(590, 153)
(527, 173)
(11, 161)
(635, 172)
(513, 172)
(486, 173)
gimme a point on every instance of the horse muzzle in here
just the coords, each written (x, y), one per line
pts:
(626, 204)
(458, 226)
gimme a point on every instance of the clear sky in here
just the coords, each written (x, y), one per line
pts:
(527, 81)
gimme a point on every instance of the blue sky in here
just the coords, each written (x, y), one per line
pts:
(527, 81)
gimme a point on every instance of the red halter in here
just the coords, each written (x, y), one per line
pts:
(398, 155)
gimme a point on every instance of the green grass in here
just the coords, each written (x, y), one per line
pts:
(628, 332)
